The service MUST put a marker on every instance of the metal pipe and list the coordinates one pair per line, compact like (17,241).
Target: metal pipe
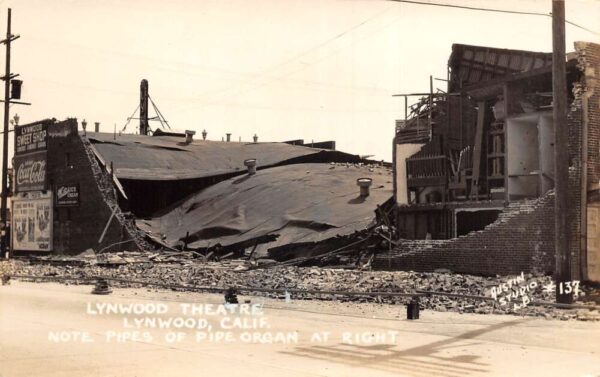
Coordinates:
(364,184)
(189,136)
(425,94)
(251,165)
(430,115)
(405,110)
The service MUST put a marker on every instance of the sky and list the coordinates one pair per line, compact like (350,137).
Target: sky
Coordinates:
(281,69)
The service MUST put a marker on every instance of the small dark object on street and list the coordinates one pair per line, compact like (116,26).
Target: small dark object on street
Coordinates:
(231,296)
(5,279)
(412,309)
(101,288)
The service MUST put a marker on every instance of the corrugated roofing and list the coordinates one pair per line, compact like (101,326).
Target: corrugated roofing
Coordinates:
(141,157)
(301,203)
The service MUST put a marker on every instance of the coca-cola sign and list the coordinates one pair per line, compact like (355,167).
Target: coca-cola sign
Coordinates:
(30,172)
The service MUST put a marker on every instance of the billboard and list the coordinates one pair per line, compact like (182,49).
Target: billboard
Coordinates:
(30,172)
(31,138)
(32,216)
(67,196)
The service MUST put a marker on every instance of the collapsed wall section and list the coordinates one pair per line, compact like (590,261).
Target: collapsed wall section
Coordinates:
(520,240)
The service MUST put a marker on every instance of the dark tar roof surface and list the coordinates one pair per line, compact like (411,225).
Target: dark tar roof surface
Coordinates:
(301,203)
(141,157)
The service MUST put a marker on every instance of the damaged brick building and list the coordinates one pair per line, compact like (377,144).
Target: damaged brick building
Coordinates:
(474,167)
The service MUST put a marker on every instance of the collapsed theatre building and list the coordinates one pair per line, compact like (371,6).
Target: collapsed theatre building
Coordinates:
(474,166)
(76,190)
(470,189)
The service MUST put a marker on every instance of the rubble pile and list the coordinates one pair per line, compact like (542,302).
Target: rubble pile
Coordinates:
(171,269)
(104,181)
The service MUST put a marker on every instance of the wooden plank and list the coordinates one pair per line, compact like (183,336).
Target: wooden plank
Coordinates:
(477,149)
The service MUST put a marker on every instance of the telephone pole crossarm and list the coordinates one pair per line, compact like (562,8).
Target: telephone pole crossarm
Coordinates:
(10,39)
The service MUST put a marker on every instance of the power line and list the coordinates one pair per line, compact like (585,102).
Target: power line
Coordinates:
(492,10)
(470,8)
(579,26)
(270,80)
(336,37)
(245,78)
(283,76)
(289,60)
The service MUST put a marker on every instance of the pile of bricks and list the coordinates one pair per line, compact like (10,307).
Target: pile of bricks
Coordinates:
(521,239)
(226,274)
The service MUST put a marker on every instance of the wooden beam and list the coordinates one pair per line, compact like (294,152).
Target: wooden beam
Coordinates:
(477,149)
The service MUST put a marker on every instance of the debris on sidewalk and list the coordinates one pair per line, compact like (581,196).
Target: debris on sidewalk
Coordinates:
(177,270)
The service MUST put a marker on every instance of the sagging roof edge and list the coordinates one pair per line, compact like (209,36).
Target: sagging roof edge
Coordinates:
(108,169)
(323,156)
(515,77)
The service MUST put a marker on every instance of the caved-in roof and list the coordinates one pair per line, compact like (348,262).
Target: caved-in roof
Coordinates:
(301,203)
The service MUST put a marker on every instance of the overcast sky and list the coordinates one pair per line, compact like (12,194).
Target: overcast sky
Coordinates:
(283,69)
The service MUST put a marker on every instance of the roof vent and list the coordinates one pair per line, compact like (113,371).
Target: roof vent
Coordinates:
(189,136)
(96,126)
(364,184)
(251,165)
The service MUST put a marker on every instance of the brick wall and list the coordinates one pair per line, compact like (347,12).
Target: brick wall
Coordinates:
(79,228)
(574,122)
(589,63)
(520,240)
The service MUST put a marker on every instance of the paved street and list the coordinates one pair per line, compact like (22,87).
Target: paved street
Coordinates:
(56,330)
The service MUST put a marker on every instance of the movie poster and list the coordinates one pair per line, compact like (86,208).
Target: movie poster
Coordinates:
(32,222)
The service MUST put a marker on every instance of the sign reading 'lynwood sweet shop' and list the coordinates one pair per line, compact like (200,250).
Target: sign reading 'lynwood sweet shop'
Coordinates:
(31,138)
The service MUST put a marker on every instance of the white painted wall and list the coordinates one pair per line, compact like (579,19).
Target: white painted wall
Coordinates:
(546,135)
(593,242)
(523,153)
(403,151)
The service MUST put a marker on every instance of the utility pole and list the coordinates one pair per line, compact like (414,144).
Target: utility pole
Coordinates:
(8,95)
(562,255)
(7,77)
